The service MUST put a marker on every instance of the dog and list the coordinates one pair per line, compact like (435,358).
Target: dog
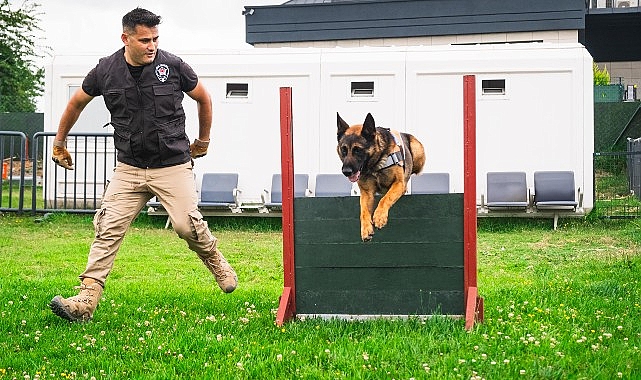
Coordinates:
(381,161)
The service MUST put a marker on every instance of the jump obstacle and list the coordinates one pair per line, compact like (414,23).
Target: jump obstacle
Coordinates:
(422,263)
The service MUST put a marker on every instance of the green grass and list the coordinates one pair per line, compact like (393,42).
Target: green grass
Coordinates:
(558,304)
(11,196)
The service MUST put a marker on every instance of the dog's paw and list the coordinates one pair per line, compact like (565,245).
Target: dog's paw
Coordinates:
(367,232)
(380,218)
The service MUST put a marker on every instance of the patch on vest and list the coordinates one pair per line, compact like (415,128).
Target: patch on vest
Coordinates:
(162,72)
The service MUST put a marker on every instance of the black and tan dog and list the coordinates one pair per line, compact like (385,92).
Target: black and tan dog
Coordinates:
(382,161)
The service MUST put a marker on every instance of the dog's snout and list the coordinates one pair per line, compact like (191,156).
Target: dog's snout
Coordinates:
(347,171)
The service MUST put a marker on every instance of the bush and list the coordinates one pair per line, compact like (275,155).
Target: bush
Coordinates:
(601,77)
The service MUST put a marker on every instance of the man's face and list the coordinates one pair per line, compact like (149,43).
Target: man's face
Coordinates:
(141,45)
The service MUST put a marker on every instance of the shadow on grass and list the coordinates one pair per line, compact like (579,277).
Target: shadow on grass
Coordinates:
(229,223)
(513,224)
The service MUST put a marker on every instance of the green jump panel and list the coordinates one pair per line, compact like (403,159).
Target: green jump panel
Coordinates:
(413,266)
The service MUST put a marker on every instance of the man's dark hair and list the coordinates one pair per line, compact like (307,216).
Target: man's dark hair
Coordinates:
(139,16)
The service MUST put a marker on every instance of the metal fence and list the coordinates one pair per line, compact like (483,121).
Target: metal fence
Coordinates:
(13,146)
(39,186)
(617,184)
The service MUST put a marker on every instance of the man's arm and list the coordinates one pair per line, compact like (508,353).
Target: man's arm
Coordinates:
(203,100)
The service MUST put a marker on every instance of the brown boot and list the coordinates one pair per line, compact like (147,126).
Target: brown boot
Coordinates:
(222,271)
(79,308)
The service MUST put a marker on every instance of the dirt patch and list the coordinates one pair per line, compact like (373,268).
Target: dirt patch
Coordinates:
(15,165)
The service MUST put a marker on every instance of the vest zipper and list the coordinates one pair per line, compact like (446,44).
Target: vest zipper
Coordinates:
(142,112)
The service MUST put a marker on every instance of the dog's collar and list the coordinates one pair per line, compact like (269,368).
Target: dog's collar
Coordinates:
(397,157)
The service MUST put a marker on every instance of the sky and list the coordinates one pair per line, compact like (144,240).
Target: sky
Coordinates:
(94,27)
(189,25)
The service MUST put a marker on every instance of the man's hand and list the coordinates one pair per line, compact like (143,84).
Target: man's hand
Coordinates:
(198,148)
(61,156)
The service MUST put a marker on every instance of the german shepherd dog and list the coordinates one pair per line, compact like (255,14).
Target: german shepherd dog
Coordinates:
(382,161)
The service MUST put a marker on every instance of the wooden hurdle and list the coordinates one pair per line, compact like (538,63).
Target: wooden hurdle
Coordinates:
(422,263)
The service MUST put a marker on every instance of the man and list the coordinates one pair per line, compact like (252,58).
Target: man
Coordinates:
(143,88)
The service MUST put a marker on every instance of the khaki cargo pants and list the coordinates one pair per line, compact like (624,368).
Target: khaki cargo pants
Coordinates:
(127,193)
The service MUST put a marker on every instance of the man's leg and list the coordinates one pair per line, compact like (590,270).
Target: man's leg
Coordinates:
(123,199)
(176,190)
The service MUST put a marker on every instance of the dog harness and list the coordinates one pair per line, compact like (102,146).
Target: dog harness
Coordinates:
(397,157)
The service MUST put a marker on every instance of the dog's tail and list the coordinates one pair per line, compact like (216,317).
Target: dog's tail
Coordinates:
(418,154)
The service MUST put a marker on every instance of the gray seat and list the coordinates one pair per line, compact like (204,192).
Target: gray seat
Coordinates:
(332,185)
(219,190)
(507,190)
(154,202)
(301,189)
(430,183)
(555,190)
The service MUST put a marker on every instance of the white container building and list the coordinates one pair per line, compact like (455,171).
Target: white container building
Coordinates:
(534,107)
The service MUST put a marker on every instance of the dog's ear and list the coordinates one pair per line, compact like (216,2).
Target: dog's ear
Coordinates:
(342,126)
(369,127)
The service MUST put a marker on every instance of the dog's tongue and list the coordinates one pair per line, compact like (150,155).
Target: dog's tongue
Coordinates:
(354,177)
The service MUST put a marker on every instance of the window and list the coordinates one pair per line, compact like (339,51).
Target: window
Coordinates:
(493,86)
(362,89)
(237,90)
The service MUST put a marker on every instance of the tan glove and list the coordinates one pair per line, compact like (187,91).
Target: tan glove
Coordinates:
(61,156)
(198,148)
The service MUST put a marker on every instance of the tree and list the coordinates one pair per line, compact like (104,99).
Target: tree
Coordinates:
(21,81)
(601,77)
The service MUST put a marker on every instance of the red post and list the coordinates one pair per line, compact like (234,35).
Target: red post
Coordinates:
(473,303)
(287,304)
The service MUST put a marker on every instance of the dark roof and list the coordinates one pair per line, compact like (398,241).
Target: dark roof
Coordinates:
(613,34)
(320,20)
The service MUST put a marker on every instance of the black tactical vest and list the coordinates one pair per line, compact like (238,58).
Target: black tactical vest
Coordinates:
(147,116)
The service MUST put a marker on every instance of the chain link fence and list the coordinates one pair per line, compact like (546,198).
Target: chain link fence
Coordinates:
(617,184)
(617,161)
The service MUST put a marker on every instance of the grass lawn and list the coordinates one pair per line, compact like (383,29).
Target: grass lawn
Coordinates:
(558,304)
(10,196)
